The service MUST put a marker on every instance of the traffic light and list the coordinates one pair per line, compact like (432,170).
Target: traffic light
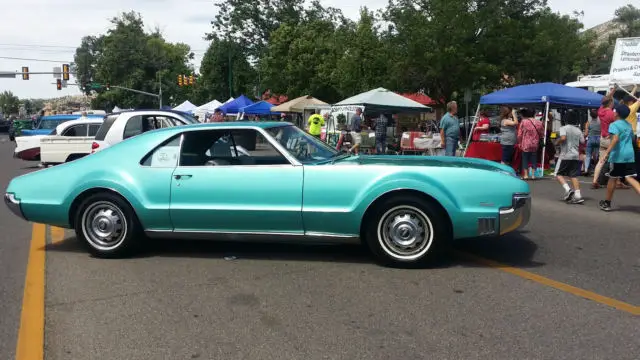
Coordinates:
(180,80)
(59,84)
(191,79)
(65,72)
(25,73)
(107,87)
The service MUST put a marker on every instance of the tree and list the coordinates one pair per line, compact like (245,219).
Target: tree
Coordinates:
(222,59)
(629,19)
(363,65)
(128,56)
(9,103)
(28,106)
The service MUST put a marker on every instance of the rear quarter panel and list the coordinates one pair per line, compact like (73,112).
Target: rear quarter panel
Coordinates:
(336,196)
(46,195)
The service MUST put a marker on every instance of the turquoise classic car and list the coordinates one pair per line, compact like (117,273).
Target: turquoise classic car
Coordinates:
(250,180)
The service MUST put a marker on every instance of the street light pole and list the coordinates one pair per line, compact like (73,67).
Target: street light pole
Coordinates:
(160,94)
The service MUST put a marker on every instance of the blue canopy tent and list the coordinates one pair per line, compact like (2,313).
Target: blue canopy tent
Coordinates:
(259,108)
(234,106)
(543,93)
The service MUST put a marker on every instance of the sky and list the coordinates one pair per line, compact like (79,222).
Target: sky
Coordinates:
(51,30)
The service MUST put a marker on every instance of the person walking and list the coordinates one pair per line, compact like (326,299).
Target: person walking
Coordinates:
(620,156)
(606,115)
(592,131)
(569,160)
(450,130)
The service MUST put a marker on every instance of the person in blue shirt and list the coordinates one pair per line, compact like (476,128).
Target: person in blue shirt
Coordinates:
(450,129)
(620,154)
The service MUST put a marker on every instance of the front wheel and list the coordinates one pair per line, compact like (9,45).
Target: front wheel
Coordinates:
(108,226)
(405,231)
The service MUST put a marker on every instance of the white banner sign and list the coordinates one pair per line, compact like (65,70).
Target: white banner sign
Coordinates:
(625,64)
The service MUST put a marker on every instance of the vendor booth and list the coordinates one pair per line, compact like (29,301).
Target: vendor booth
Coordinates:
(374,103)
(535,95)
(234,106)
(261,108)
(186,106)
(205,110)
(302,107)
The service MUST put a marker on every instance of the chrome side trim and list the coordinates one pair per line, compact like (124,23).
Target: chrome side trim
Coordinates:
(516,216)
(249,236)
(14,205)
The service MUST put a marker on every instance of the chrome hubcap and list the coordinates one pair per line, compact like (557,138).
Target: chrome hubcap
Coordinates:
(104,225)
(405,232)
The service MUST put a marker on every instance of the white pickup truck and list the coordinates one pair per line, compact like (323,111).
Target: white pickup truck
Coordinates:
(121,126)
(28,147)
(72,142)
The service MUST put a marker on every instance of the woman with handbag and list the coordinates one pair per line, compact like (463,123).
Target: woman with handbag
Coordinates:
(530,134)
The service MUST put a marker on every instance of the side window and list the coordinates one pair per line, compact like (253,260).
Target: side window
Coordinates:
(246,147)
(166,155)
(133,127)
(93,129)
(167,121)
(75,130)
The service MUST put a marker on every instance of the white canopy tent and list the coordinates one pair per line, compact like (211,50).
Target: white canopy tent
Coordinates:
(186,106)
(208,108)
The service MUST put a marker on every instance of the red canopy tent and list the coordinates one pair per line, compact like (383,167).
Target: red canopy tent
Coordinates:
(420,98)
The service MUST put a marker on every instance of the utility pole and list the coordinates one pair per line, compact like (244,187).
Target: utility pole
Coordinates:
(160,94)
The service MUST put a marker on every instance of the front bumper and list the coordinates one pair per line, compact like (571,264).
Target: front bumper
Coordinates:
(517,215)
(14,205)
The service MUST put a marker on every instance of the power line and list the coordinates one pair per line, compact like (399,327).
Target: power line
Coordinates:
(27,59)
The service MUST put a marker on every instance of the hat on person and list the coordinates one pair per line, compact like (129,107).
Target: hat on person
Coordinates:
(622,111)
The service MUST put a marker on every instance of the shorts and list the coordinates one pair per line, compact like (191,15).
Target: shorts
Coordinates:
(356,138)
(622,170)
(507,153)
(570,168)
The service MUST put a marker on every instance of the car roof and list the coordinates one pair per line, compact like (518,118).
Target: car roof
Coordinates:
(234,124)
(150,110)
(68,117)
(66,124)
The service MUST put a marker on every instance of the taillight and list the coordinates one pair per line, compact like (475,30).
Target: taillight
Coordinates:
(94,146)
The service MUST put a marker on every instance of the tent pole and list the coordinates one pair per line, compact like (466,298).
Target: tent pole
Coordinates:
(544,146)
(471,132)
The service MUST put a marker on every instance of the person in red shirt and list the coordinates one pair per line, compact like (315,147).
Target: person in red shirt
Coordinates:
(606,116)
(482,127)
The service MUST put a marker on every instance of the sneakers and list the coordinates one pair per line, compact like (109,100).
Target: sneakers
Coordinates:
(576,200)
(568,195)
(605,205)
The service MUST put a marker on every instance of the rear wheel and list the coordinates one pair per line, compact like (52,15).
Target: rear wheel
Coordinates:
(405,231)
(108,226)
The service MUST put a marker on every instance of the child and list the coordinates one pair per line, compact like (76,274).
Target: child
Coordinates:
(621,155)
(569,160)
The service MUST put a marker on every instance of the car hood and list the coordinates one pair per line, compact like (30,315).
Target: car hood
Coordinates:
(428,161)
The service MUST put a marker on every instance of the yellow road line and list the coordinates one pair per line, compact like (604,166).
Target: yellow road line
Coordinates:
(57,234)
(635,310)
(31,334)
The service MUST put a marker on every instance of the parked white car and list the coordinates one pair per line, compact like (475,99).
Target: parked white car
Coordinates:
(121,126)
(72,143)
(28,147)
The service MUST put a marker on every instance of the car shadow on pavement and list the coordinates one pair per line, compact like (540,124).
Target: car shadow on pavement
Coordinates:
(512,249)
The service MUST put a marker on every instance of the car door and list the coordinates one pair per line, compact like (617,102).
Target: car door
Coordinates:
(216,188)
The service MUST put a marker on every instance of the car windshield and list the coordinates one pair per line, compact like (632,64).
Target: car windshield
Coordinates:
(304,147)
(49,124)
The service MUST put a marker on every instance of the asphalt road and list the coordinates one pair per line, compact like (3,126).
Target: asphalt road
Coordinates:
(197,300)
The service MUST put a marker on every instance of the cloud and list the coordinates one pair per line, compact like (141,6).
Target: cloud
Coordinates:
(52,29)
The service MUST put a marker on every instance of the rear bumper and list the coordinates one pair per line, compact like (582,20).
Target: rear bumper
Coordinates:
(14,205)
(509,219)
(517,215)
(28,154)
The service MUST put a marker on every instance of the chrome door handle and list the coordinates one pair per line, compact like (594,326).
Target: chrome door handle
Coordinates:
(180,177)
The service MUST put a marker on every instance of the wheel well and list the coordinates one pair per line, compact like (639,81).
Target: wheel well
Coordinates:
(85,194)
(426,197)
(72,157)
